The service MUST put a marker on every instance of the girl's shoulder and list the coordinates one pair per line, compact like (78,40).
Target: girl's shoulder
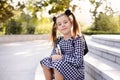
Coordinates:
(79,37)
(59,39)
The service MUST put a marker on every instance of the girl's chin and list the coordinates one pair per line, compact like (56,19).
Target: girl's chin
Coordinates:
(65,33)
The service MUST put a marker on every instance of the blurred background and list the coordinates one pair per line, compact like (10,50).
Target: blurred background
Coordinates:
(34,16)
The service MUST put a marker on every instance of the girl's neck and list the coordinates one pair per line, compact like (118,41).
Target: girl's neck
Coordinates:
(67,36)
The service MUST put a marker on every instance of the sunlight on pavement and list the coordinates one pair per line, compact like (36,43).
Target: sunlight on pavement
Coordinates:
(39,75)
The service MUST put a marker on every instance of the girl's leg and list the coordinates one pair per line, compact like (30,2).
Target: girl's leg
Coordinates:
(57,75)
(47,73)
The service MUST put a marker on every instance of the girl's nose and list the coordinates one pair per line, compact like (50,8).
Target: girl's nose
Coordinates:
(63,25)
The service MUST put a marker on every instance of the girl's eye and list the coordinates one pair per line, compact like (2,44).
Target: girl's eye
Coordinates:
(59,24)
(65,22)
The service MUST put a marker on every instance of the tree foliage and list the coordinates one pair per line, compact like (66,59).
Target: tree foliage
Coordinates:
(28,23)
(103,21)
(5,10)
(56,5)
(95,12)
(107,23)
(59,5)
(13,27)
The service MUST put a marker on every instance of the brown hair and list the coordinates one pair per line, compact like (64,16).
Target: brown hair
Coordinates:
(54,27)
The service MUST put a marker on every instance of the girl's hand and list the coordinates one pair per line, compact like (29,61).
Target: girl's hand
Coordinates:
(56,57)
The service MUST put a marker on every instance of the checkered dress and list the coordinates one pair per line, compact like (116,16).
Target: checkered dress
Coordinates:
(72,64)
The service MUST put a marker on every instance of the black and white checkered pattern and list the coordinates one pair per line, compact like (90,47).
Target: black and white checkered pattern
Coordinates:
(72,64)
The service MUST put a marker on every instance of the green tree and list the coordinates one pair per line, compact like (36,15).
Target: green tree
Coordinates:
(39,6)
(13,27)
(5,10)
(107,23)
(103,22)
(28,16)
(28,23)
(59,5)
(95,13)
(56,5)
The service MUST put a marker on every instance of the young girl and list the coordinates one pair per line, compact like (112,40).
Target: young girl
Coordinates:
(69,65)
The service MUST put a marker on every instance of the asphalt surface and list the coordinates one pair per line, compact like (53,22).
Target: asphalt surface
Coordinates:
(20,60)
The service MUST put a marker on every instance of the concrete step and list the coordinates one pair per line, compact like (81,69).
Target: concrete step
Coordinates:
(105,51)
(101,69)
(88,76)
(111,40)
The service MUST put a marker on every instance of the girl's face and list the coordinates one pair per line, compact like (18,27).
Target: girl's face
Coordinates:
(64,24)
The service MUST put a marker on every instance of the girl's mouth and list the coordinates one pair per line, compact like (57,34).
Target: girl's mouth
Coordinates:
(64,28)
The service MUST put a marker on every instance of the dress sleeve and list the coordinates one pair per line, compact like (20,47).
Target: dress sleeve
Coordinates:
(77,57)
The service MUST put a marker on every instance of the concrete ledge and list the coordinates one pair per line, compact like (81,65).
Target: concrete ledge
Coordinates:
(18,38)
(111,40)
(101,69)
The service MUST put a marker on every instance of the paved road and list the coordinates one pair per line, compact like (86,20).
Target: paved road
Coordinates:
(20,60)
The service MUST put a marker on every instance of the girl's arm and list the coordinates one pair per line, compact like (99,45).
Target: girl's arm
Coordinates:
(54,56)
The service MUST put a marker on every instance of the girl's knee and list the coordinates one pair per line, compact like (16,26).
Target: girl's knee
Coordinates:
(43,66)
